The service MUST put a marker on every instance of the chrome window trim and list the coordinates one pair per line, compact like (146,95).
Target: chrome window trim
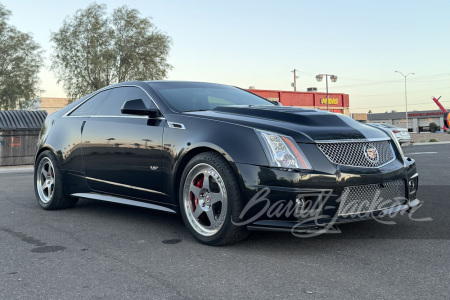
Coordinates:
(126,116)
(106,89)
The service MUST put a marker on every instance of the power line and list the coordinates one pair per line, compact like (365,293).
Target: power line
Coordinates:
(386,94)
(373,82)
(388,82)
(397,105)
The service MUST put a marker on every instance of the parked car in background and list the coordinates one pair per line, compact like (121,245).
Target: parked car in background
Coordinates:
(401,134)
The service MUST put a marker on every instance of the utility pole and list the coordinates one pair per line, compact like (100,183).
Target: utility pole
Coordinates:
(295,80)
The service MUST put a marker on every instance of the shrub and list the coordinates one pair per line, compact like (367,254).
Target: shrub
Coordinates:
(433,127)
(433,140)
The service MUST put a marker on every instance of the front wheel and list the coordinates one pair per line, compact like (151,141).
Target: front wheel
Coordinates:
(48,184)
(209,198)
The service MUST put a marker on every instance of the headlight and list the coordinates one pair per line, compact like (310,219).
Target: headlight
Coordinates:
(282,151)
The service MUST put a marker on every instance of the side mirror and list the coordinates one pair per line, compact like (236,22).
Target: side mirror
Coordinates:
(137,107)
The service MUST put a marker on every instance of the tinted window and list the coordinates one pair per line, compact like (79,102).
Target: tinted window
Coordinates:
(192,96)
(113,103)
(90,106)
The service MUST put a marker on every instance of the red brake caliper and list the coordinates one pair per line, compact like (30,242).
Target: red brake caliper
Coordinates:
(198,184)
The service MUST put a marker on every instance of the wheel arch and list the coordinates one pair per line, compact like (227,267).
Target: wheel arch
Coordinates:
(44,148)
(188,155)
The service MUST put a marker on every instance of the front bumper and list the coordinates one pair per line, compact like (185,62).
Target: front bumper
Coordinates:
(328,225)
(271,195)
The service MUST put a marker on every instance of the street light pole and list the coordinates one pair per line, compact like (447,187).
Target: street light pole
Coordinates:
(406,98)
(327,92)
(333,79)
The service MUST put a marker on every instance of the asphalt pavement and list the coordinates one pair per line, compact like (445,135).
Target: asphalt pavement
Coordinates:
(101,250)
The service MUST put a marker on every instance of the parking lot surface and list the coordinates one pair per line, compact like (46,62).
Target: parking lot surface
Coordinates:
(101,250)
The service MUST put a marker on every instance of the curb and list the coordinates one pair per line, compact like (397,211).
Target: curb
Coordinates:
(427,143)
(16,169)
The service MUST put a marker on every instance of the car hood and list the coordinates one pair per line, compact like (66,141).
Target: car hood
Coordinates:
(303,125)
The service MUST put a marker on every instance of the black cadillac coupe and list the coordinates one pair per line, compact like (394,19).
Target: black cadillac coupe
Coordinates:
(225,159)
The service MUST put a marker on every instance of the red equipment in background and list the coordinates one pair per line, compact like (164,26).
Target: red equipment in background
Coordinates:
(440,106)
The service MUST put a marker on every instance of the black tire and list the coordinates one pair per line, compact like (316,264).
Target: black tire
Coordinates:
(227,233)
(52,196)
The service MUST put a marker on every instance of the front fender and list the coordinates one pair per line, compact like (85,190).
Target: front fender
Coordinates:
(238,144)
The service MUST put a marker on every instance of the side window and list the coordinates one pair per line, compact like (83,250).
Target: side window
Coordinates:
(90,106)
(113,103)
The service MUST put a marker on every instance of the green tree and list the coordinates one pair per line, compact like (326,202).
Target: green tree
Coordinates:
(20,63)
(433,127)
(93,49)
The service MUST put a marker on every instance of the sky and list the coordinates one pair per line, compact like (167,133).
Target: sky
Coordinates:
(258,43)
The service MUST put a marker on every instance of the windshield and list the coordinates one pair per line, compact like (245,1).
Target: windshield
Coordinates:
(194,96)
(382,125)
(389,126)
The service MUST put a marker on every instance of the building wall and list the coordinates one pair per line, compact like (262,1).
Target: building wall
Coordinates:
(359,116)
(337,102)
(418,121)
(52,105)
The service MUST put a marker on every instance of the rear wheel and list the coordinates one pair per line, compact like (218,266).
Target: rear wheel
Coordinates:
(209,198)
(48,185)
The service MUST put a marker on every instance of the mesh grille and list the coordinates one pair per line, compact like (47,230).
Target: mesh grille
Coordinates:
(359,154)
(366,198)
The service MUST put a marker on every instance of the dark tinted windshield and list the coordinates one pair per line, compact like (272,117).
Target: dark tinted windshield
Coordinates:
(193,96)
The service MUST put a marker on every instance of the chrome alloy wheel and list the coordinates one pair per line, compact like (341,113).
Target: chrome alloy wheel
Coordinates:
(205,199)
(45,180)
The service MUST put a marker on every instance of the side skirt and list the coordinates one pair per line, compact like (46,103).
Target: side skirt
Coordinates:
(120,200)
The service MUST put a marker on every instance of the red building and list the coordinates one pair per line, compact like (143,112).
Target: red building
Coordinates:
(338,103)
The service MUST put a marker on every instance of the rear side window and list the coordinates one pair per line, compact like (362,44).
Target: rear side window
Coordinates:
(90,106)
(116,98)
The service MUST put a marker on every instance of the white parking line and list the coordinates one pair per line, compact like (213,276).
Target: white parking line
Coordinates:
(421,153)
(16,169)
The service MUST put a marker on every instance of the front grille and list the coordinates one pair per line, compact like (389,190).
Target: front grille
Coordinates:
(367,198)
(359,154)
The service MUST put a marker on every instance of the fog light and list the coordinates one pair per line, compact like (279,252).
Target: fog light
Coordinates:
(299,201)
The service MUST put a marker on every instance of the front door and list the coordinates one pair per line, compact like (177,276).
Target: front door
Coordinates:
(122,153)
